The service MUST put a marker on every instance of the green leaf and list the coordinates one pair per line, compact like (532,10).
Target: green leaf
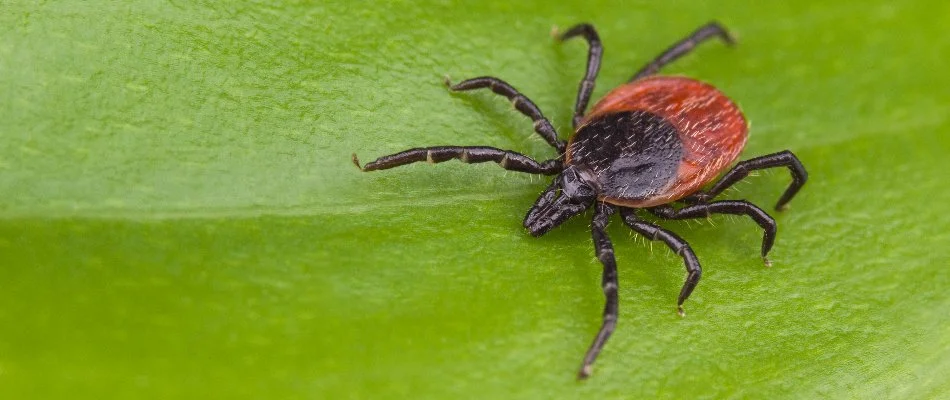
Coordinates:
(179,216)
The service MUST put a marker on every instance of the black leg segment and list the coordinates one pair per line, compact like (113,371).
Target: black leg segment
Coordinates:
(594,55)
(734,207)
(541,124)
(743,168)
(605,253)
(468,154)
(683,47)
(675,243)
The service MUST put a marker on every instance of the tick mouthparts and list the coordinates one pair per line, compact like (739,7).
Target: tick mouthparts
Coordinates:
(539,229)
(542,216)
(538,222)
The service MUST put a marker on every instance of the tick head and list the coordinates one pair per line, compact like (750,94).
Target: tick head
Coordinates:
(572,192)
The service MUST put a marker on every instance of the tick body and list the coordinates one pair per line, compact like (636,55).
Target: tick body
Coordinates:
(658,139)
(652,143)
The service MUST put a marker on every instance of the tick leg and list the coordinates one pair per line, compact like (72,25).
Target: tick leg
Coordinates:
(594,55)
(684,46)
(541,124)
(675,243)
(743,168)
(468,154)
(605,253)
(734,207)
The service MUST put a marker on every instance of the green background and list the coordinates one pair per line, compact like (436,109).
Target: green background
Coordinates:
(179,216)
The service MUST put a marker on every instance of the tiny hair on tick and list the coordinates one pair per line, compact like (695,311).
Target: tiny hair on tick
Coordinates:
(650,143)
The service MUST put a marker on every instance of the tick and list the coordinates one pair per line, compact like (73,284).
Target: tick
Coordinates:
(650,143)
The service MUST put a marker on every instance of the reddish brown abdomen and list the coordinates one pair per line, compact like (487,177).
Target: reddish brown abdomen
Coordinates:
(711,127)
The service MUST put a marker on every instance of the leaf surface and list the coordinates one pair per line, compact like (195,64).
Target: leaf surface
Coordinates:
(179,216)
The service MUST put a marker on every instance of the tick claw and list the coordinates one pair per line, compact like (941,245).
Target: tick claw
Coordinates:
(555,33)
(356,162)
(730,39)
(447,81)
(585,372)
(679,310)
(767,262)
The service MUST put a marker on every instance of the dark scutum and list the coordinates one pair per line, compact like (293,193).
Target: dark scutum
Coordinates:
(634,154)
